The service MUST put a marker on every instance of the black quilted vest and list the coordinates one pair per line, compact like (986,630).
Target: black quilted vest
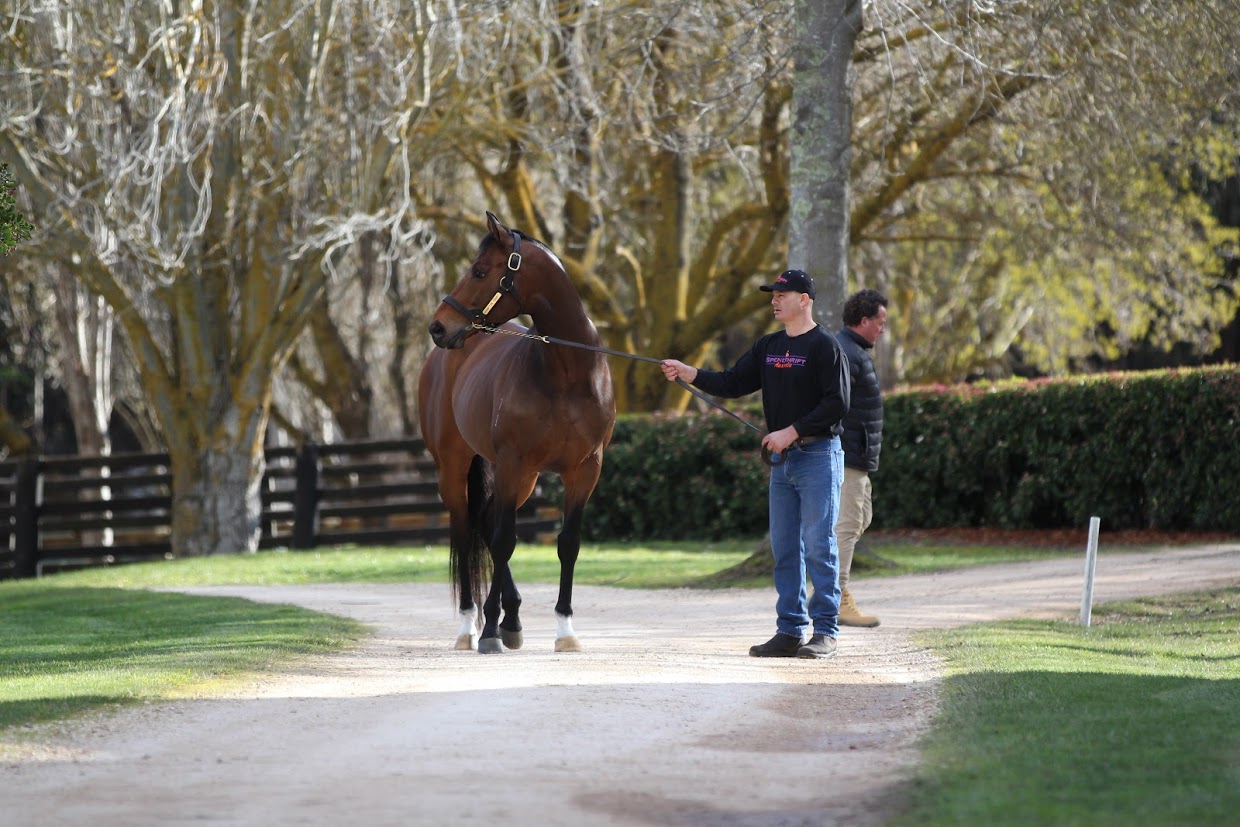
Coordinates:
(863,425)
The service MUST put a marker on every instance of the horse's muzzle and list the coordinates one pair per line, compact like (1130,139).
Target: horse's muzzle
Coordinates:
(439,335)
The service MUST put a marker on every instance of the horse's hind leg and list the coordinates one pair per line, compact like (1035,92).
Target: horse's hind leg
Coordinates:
(467,637)
(468,554)
(460,537)
(511,490)
(503,593)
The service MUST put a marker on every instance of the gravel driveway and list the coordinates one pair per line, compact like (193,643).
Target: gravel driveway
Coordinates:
(664,719)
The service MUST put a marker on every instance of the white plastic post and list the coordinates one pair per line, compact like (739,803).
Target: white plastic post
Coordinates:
(1091,560)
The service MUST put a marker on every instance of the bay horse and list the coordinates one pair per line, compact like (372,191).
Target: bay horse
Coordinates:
(496,410)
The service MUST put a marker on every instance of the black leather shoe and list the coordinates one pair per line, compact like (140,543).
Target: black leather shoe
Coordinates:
(819,646)
(780,646)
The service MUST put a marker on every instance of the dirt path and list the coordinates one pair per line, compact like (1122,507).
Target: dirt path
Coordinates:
(663,720)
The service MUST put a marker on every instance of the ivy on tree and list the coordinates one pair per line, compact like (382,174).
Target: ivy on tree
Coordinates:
(14,228)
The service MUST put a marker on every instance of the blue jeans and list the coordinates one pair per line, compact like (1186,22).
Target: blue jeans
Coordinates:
(804,505)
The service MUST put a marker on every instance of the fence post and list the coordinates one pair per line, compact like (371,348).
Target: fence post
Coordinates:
(26,519)
(306,496)
(1091,563)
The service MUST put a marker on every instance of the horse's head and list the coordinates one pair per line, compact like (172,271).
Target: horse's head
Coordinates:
(488,293)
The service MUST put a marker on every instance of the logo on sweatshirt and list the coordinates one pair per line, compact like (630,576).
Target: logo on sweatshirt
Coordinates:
(785,361)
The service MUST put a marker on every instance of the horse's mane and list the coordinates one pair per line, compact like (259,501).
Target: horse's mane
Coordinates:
(489,240)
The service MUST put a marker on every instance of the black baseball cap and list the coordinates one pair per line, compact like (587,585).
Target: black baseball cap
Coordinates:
(792,281)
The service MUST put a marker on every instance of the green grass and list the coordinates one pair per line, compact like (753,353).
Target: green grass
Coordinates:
(631,565)
(67,649)
(924,559)
(1135,720)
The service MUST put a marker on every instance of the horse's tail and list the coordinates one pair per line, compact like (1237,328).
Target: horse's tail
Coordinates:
(474,558)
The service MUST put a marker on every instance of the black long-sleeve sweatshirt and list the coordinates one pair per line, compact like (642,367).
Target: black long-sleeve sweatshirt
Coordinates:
(804,381)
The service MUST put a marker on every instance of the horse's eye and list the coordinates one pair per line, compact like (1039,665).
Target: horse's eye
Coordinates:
(479,274)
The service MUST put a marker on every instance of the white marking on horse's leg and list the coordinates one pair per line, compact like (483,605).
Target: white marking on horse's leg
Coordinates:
(467,638)
(565,640)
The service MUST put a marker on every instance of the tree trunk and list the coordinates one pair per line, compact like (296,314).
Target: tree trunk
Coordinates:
(757,566)
(404,324)
(216,506)
(84,324)
(826,31)
(344,386)
(214,421)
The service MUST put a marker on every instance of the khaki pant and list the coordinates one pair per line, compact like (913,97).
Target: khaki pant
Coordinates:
(855,514)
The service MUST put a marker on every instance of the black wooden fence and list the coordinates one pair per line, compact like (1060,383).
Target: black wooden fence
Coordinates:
(70,512)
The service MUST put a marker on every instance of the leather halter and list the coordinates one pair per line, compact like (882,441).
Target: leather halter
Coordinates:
(507,284)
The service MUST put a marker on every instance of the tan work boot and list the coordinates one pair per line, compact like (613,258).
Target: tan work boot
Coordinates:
(850,615)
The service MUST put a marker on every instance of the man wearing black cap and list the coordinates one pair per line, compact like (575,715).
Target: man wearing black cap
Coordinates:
(805,387)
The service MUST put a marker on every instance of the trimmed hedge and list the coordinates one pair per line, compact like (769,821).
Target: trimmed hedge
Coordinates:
(679,477)
(1158,450)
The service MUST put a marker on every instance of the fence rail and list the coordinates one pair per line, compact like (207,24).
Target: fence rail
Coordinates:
(70,512)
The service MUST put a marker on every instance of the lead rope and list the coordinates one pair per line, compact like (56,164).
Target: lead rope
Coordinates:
(770,458)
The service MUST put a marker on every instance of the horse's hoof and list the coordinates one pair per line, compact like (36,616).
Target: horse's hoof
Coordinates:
(490,646)
(466,642)
(512,640)
(567,644)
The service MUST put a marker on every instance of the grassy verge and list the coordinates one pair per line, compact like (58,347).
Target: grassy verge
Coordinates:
(922,559)
(69,649)
(1135,720)
(631,565)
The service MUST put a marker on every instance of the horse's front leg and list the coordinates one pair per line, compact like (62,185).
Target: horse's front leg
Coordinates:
(568,546)
(578,486)
(503,592)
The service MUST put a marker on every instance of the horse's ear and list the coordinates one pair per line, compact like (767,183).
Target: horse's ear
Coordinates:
(497,229)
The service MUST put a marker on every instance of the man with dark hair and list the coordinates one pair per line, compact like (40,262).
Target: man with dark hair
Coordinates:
(865,319)
(804,381)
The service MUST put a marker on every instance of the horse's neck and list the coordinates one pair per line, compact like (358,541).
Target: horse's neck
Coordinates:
(565,318)
(562,316)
